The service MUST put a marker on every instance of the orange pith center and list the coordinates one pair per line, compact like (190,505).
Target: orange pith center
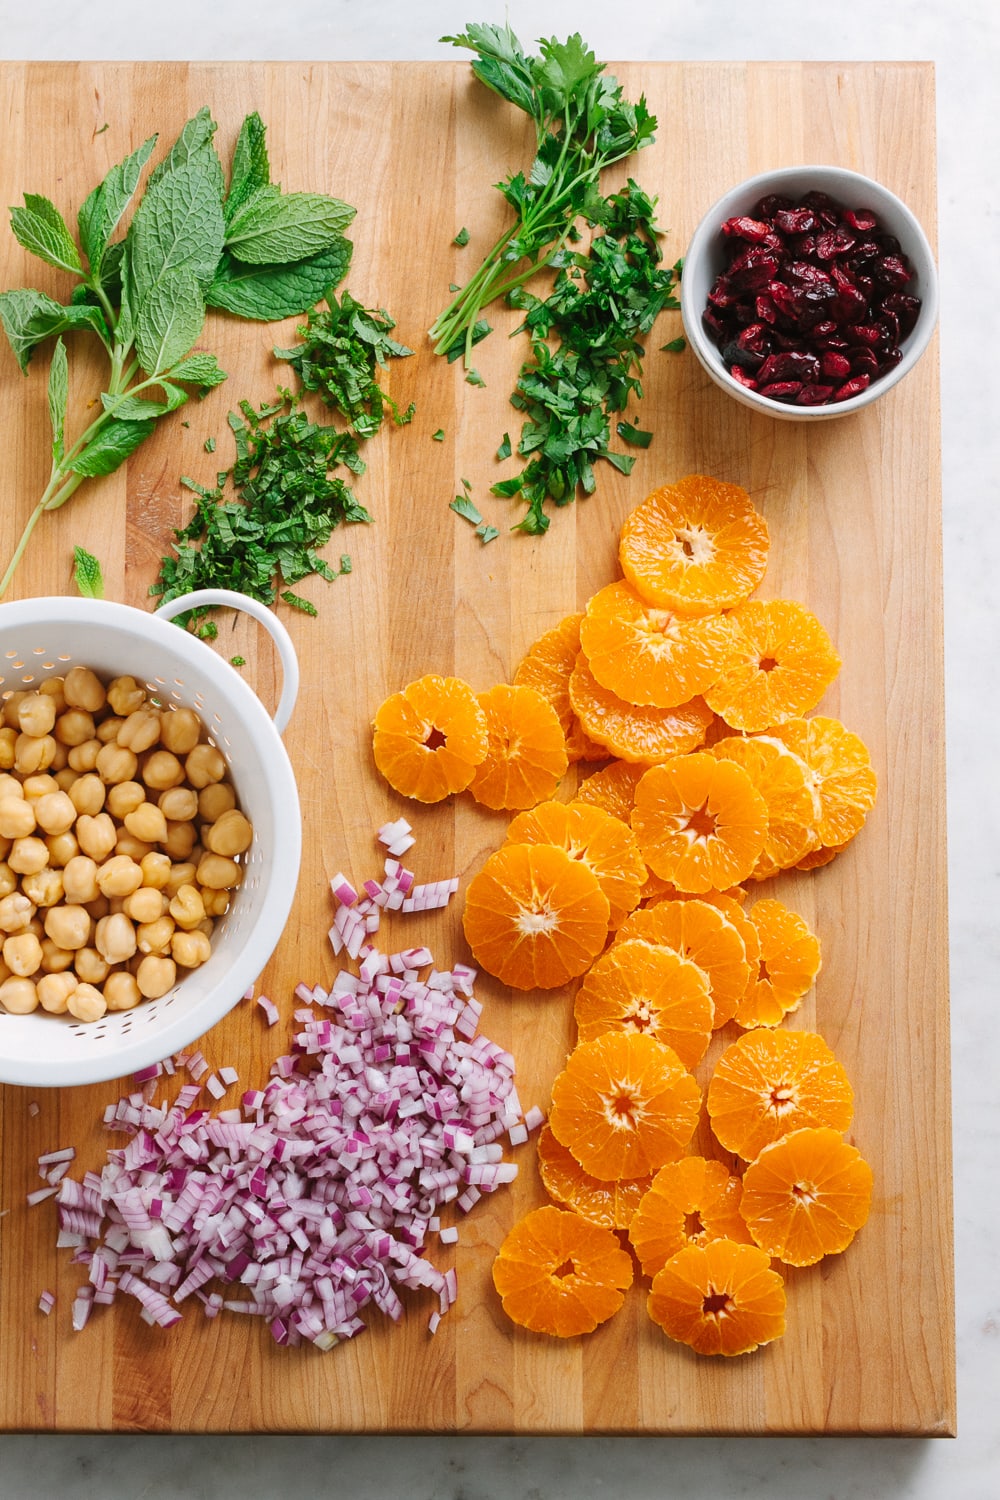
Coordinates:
(693,1227)
(767,664)
(622,1109)
(435,739)
(640,1013)
(804,1193)
(716,1304)
(701,823)
(694,544)
(781,1099)
(533,922)
(566,1269)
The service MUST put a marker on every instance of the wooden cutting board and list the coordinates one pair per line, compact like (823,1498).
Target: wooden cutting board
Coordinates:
(854,512)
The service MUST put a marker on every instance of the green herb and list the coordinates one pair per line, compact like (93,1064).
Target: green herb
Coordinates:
(582,124)
(101,129)
(238,661)
(461,238)
(505,449)
(486,533)
(473,377)
(87,574)
(463,506)
(675,346)
(586,358)
(210,445)
(342,350)
(460,346)
(345,563)
(192,243)
(438,437)
(259,530)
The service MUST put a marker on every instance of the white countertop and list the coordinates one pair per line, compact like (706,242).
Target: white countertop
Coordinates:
(962,38)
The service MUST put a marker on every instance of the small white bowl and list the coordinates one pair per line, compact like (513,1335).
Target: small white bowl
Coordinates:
(706,258)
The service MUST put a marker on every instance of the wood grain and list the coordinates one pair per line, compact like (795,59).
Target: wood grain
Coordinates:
(854,511)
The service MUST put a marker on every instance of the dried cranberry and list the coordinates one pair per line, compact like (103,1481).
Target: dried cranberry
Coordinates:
(742,378)
(814,395)
(892,271)
(789,366)
(834,242)
(795,220)
(852,387)
(781,389)
(861,219)
(836,366)
(906,309)
(745,228)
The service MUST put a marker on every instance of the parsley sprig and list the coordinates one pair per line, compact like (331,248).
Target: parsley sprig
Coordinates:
(583,124)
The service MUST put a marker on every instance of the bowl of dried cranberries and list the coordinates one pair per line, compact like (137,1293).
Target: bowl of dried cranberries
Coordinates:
(808,292)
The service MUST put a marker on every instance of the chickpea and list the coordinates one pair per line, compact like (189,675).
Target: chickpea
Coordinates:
(55,813)
(154,937)
(180,730)
(36,714)
(80,879)
(22,953)
(68,926)
(180,841)
(65,776)
(119,876)
(4,971)
(54,688)
(145,904)
(161,769)
(125,695)
(54,990)
(33,752)
(178,804)
(56,960)
(187,908)
(11,704)
(83,688)
(204,765)
(73,727)
(116,763)
(216,902)
(107,730)
(16,911)
(10,785)
(154,976)
(214,800)
(28,855)
(155,869)
(190,949)
(136,849)
(8,739)
(62,848)
(86,1003)
(91,966)
(18,995)
(17,817)
(83,757)
(60,759)
(147,822)
(121,991)
(218,873)
(96,835)
(98,908)
(8,879)
(182,873)
(37,785)
(43,887)
(125,798)
(141,730)
(115,938)
(231,834)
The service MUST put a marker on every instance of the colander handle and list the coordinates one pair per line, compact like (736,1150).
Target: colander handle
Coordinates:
(230,599)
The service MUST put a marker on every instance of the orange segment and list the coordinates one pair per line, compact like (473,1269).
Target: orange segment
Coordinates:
(705,934)
(699,821)
(632,733)
(806,1196)
(784,782)
(771,1082)
(649,655)
(690,1202)
(609,1203)
(526,754)
(558,1273)
(535,917)
(781,663)
(719,1298)
(841,772)
(696,546)
(546,667)
(613,788)
(788,963)
(624,1105)
(640,988)
(599,841)
(430,737)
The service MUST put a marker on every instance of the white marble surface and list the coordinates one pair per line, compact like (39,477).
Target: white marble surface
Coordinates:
(962,38)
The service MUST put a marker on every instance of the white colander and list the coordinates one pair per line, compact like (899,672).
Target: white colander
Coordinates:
(42,638)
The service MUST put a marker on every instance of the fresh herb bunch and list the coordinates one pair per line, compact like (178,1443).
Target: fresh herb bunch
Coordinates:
(586,357)
(582,123)
(260,528)
(341,350)
(193,243)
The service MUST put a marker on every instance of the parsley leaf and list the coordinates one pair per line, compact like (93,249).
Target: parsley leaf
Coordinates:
(342,349)
(463,506)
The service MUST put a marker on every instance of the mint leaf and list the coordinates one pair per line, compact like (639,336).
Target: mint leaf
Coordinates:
(462,238)
(199,369)
(268,293)
(169,320)
(99,217)
(193,146)
(139,408)
(87,574)
(58,391)
(272,226)
(178,223)
(297,602)
(40,228)
(438,437)
(251,169)
(111,446)
(29,317)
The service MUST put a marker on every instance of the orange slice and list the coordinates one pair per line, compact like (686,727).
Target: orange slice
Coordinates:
(630,732)
(534,916)
(624,1105)
(788,962)
(771,1082)
(546,667)
(558,1273)
(648,655)
(641,988)
(609,1203)
(841,772)
(785,783)
(780,664)
(696,546)
(599,841)
(719,1298)
(806,1196)
(430,737)
(699,821)
(689,1202)
(705,934)
(526,754)
(613,788)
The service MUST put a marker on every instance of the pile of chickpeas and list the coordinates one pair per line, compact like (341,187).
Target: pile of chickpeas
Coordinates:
(120,838)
